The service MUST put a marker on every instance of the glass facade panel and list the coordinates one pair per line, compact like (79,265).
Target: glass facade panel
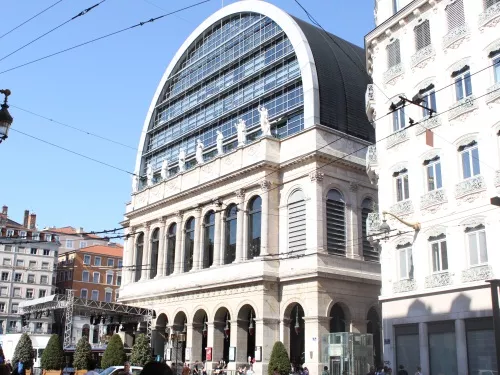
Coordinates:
(408,350)
(481,352)
(442,353)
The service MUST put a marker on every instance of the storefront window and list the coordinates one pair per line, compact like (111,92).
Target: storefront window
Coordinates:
(442,348)
(407,346)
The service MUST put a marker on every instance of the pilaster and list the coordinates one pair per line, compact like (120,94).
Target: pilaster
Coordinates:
(162,250)
(197,249)
(315,327)
(461,343)
(178,243)
(146,258)
(265,186)
(266,334)
(217,235)
(315,214)
(240,195)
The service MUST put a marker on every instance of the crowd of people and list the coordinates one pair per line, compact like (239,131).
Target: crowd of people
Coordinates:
(384,370)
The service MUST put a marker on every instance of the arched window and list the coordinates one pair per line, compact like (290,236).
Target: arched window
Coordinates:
(139,249)
(335,223)
(189,245)
(369,253)
(296,222)
(155,242)
(171,240)
(209,237)
(254,227)
(231,220)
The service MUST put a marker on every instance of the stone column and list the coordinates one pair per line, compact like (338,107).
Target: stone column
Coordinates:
(217,236)
(358,326)
(239,341)
(202,243)
(423,338)
(197,250)
(244,243)
(285,333)
(196,347)
(461,343)
(266,334)
(218,341)
(354,242)
(189,340)
(240,194)
(146,256)
(178,244)
(211,334)
(315,327)
(264,229)
(162,250)
(315,223)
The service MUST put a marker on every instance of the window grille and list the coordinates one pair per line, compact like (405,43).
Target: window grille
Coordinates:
(297,222)
(422,35)
(335,223)
(393,54)
(455,15)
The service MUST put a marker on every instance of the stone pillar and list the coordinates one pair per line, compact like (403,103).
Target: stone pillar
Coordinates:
(131,256)
(285,333)
(461,343)
(189,341)
(217,236)
(197,250)
(240,194)
(423,338)
(223,237)
(238,340)
(146,254)
(211,334)
(265,186)
(358,326)
(202,242)
(244,243)
(315,327)
(178,244)
(315,224)
(354,248)
(162,250)
(196,346)
(218,341)
(266,334)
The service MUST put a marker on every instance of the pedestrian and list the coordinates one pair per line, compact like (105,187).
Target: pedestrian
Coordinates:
(195,368)
(372,371)
(402,370)
(9,365)
(125,370)
(419,370)
(306,371)
(325,371)
(156,368)
(185,369)
(250,370)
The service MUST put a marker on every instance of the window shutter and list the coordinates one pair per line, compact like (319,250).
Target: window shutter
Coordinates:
(393,54)
(422,35)
(297,226)
(335,226)
(455,15)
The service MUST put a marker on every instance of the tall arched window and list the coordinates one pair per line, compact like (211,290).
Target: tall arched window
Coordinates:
(209,237)
(296,222)
(155,242)
(139,249)
(369,253)
(189,245)
(254,227)
(231,220)
(335,222)
(171,240)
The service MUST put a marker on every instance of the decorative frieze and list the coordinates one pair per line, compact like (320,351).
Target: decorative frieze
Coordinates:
(316,176)
(353,186)
(490,17)
(433,198)
(421,57)
(427,123)
(402,208)
(392,73)
(462,107)
(438,279)
(493,92)
(470,186)
(398,137)
(265,185)
(477,273)
(403,286)
(240,194)
(455,37)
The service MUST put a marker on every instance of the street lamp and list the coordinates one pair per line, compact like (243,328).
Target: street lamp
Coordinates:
(385,228)
(5,117)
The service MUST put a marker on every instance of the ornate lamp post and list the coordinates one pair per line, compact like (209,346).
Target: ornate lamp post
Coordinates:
(5,117)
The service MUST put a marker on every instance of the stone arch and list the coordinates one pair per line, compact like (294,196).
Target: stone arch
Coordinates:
(222,333)
(180,318)
(340,317)
(431,154)
(292,189)
(200,334)
(373,326)
(340,189)
(294,332)
(159,335)
(425,83)
(250,303)
(246,332)
(466,139)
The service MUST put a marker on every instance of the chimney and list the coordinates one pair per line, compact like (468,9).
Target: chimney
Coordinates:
(32,221)
(26,218)
(5,210)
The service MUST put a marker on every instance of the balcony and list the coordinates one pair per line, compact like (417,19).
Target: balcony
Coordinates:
(462,107)
(455,37)
(372,164)
(427,123)
(490,17)
(421,57)
(433,198)
(392,73)
(470,186)
(438,279)
(402,208)
(493,92)
(397,138)
(403,286)
(477,273)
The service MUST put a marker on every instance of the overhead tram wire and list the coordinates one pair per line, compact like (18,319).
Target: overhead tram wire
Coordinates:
(31,18)
(106,36)
(82,13)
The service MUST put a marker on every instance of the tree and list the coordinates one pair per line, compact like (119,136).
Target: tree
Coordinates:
(24,351)
(53,355)
(83,354)
(279,360)
(114,355)
(141,351)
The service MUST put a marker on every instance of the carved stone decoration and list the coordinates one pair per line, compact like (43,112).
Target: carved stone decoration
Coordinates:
(427,123)
(403,286)
(432,198)
(241,128)
(316,176)
(460,109)
(199,152)
(490,17)
(265,125)
(220,142)
(141,199)
(497,179)
(438,279)
(370,102)
(470,186)
(373,222)
(372,164)
(253,150)
(392,74)
(228,160)
(422,57)
(493,94)
(477,274)
(149,175)
(265,185)
(207,168)
(135,183)
(455,37)
(178,215)
(402,208)
(240,194)
(156,194)
(353,186)
(171,185)
(398,137)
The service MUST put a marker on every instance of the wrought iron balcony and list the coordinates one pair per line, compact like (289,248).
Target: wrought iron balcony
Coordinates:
(470,186)
(477,273)
(438,279)
(455,37)
(433,198)
(402,208)
(493,92)
(462,107)
(393,72)
(403,286)
(398,137)
(490,17)
(422,55)
(427,123)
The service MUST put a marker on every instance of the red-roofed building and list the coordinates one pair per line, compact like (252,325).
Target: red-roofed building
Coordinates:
(76,238)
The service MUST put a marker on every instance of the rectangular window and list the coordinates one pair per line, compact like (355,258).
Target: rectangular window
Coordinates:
(83,293)
(46,252)
(44,279)
(496,69)
(3,291)
(402,185)
(429,101)
(7,248)
(69,244)
(108,296)
(96,277)
(17,277)
(19,263)
(14,308)
(407,346)
(422,35)
(398,120)
(405,264)
(481,352)
(32,264)
(22,234)
(5,276)
(7,262)
(10,232)
(455,15)
(42,293)
(33,251)
(393,54)
(109,279)
(478,253)
(48,238)
(95,295)
(35,236)
(118,280)
(17,292)
(439,254)
(2,307)
(86,259)
(97,261)
(442,348)
(12,324)
(29,293)
(31,279)
(463,86)
(111,262)
(470,160)
(85,276)
(83,244)
(433,173)
(120,263)
(45,266)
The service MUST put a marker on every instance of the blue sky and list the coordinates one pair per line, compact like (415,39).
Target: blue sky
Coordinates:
(105,88)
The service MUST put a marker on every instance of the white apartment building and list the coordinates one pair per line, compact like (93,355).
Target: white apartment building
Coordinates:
(72,238)
(28,258)
(436,304)
(255,238)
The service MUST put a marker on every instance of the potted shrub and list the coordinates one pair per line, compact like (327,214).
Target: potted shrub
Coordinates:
(114,355)
(83,356)
(24,352)
(141,351)
(53,357)
(279,360)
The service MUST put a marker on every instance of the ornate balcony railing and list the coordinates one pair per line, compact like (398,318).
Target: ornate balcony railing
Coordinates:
(403,286)
(497,178)
(402,208)
(422,55)
(455,36)
(428,123)
(438,279)
(490,14)
(462,106)
(373,222)
(493,92)
(433,198)
(477,273)
(393,72)
(470,186)
(398,137)
(370,101)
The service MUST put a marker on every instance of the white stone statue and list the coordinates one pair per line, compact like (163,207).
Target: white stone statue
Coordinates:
(149,175)
(135,183)
(220,139)
(265,125)
(182,160)
(199,152)
(241,127)
(164,169)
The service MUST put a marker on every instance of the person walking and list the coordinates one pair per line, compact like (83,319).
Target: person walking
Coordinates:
(325,371)
(402,370)
(419,370)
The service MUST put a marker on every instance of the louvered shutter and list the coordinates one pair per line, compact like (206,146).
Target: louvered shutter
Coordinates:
(455,15)
(335,224)
(422,35)
(297,223)
(393,54)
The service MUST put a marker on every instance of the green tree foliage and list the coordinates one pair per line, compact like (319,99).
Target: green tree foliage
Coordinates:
(279,360)
(141,351)
(83,354)
(24,351)
(53,355)
(114,355)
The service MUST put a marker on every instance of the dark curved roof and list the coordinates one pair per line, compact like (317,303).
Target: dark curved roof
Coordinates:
(342,80)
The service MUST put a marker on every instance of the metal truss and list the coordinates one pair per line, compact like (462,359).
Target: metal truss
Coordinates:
(68,321)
